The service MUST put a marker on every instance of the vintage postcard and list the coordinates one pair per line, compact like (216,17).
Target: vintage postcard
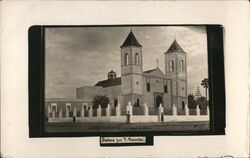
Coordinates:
(126,78)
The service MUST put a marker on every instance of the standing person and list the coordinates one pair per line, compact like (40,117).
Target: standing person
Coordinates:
(162,117)
(128,117)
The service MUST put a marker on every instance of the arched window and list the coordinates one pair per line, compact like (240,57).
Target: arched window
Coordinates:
(171,65)
(148,84)
(136,59)
(182,65)
(165,86)
(126,59)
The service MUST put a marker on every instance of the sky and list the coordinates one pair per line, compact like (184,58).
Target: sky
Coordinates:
(82,56)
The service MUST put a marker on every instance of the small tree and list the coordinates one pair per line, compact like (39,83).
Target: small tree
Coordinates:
(205,84)
(101,100)
(191,101)
(202,102)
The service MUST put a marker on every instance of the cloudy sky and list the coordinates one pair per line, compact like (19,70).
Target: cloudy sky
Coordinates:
(82,56)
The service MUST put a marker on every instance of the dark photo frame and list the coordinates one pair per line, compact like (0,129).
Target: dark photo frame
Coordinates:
(36,45)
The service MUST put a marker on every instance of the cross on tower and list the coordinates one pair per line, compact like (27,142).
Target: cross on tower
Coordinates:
(157,62)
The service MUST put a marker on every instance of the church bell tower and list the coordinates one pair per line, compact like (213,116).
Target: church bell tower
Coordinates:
(131,71)
(176,70)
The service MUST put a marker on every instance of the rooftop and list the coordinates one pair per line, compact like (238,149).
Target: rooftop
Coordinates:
(148,71)
(175,47)
(109,82)
(131,41)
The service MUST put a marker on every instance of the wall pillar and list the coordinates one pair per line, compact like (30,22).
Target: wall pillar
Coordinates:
(60,113)
(67,112)
(108,110)
(118,110)
(49,111)
(90,111)
(174,110)
(74,112)
(207,110)
(99,111)
(129,109)
(186,110)
(82,113)
(197,110)
(145,109)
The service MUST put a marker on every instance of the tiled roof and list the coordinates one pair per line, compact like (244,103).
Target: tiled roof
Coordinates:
(109,82)
(131,41)
(175,47)
(154,72)
(148,71)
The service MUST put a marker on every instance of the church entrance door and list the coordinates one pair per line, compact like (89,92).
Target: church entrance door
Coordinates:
(158,100)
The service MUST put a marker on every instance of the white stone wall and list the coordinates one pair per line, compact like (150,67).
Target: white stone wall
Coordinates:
(129,117)
(133,119)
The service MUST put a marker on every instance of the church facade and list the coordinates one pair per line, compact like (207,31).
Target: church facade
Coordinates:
(153,87)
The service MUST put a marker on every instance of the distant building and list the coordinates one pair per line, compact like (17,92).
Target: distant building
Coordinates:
(66,104)
(197,94)
(137,86)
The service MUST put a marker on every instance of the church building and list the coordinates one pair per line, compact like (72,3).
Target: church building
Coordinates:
(153,87)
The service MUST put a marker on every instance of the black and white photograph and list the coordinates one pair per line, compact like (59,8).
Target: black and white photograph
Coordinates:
(126,78)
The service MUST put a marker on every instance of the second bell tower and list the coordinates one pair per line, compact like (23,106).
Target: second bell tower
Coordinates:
(176,70)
